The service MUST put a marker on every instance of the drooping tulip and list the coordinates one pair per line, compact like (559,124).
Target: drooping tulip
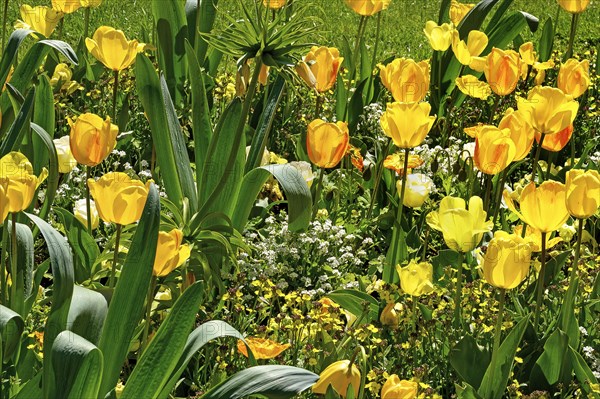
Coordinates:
(111,47)
(16,172)
(574,6)
(66,6)
(502,70)
(548,110)
(418,187)
(274,4)
(261,348)
(326,143)
(507,260)
(521,133)
(319,68)
(390,315)
(394,388)
(92,139)
(80,212)
(368,7)
(66,160)
(41,19)
(340,375)
(416,279)
(407,80)
(439,36)
(170,252)
(473,87)
(476,42)
(494,150)
(574,77)
(583,193)
(407,123)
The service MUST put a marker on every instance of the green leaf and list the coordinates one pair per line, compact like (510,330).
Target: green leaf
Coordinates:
(567,321)
(31,389)
(20,125)
(10,52)
(470,360)
(546,43)
(11,329)
(46,141)
(554,364)
(274,382)
(127,303)
(22,278)
(357,303)
(583,373)
(165,349)
(44,117)
(87,314)
(509,28)
(77,367)
(200,23)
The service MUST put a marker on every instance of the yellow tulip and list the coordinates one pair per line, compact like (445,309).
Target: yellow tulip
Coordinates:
(274,4)
(555,142)
(521,133)
(462,229)
(326,143)
(62,75)
(41,19)
(119,199)
(416,279)
(527,53)
(90,3)
(494,150)
(390,315)
(583,193)
(418,187)
(543,208)
(502,70)
(111,47)
(3,199)
(170,252)
(394,388)
(66,160)
(507,260)
(473,87)
(19,181)
(534,238)
(261,348)
(574,77)
(407,123)
(80,212)
(319,68)
(476,42)
(92,139)
(574,6)
(548,110)
(458,11)
(439,36)
(66,6)
(340,375)
(407,80)
(368,7)
(395,162)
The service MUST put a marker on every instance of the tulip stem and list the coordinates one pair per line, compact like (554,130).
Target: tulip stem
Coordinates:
(403,189)
(88,206)
(499,190)
(537,157)
(458,291)
(86,22)
(318,105)
(3,286)
(569,53)
(318,194)
(115,90)
(13,264)
(498,331)
(379,167)
(375,49)
(361,30)
(149,300)
(111,281)
(4,26)
(540,283)
(488,192)
(577,250)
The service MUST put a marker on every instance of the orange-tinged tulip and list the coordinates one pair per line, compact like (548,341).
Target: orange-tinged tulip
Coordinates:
(507,260)
(473,87)
(548,110)
(20,184)
(394,388)
(416,279)
(274,4)
(326,143)
(368,7)
(439,36)
(395,162)
(458,11)
(41,19)
(583,193)
(111,47)
(502,70)
(462,229)
(527,53)
(407,123)
(574,77)
(261,348)
(170,252)
(574,6)
(407,80)
(476,42)
(555,142)
(494,150)
(119,199)
(92,139)
(542,207)
(390,315)
(66,6)
(521,133)
(319,68)
(340,375)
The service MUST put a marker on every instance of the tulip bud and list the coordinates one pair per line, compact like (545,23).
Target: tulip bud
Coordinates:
(92,139)
(319,68)
(326,143)
(439,36)
(555,142)
(502,70)
(305,170)
(583,193)
(340,375)
(574,6)
(521,132)
(407,123)
(416,279)
(80,212)
(407,80)
(574,77)
(170,252)
(418,187)
(494,150)
(507,260)
(18,181)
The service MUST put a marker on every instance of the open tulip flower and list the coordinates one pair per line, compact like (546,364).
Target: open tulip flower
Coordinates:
(574,6)
(521,132)
(407,123)
(261,348)
(394,388)
(507,260)
(574,77)
(41,19)
(583,193)
(92,139)
(319,68)
(476,42)
(439,36)
(494,150)
(111,47)
(326,143)
(407,80)
(548,110)
(170,252)
(340,375)
(416,279)
(368,7)
(502,70)
(18,181)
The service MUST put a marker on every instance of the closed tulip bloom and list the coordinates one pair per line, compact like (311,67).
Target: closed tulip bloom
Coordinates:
(20,184)
(274,4)
(390,315)
(170,252)
(326,143)
(583,193)
(92,139)
(394,388)
(111,47)
(574,77)
(556,142)
(340,375)
(368,7)
(261,348)
(494,150)
(66,160)
(462,229)
(476,42)
(507,260)
(473,87)
(543,208)
(90,3)
(319,68)
(548,110)
(41,19)
(502,70)
(521,133)
(119,199)
(574,6)
(407,123)
(305,170)
(439,36)
(3,199)
(407,80)
(66,6)
(416,279)
(527,53)
(418,187)
(80,212)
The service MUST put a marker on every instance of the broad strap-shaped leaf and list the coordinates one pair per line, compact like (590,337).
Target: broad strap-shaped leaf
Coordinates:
(22,277)
(127,303)
(294,186)
(567,320)
(200,22)
(358,303)
(87,314)
(10,52)
(165,349)
(554,363)
(77,367)
(469,360)
(274,382)
(11,329)
(583,373)
(31,389)
(45,141)
(44,117)
(546,43)
(16,132)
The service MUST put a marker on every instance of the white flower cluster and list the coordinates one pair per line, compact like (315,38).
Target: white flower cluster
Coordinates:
(593,357)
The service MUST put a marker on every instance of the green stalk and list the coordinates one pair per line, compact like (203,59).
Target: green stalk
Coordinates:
(569,53)
(498,331)
(379,167)
(540,284)
(537,157)
(115,90)
(3,285)
(111,281)
(318,194)
(499,190)
(149,300)
(361,28)
(488,191)
(318,105)
(88,206)
(458,292)
(577,250)
(403,190)
(13,262)
(4,24)
(86,22)
(375,49)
